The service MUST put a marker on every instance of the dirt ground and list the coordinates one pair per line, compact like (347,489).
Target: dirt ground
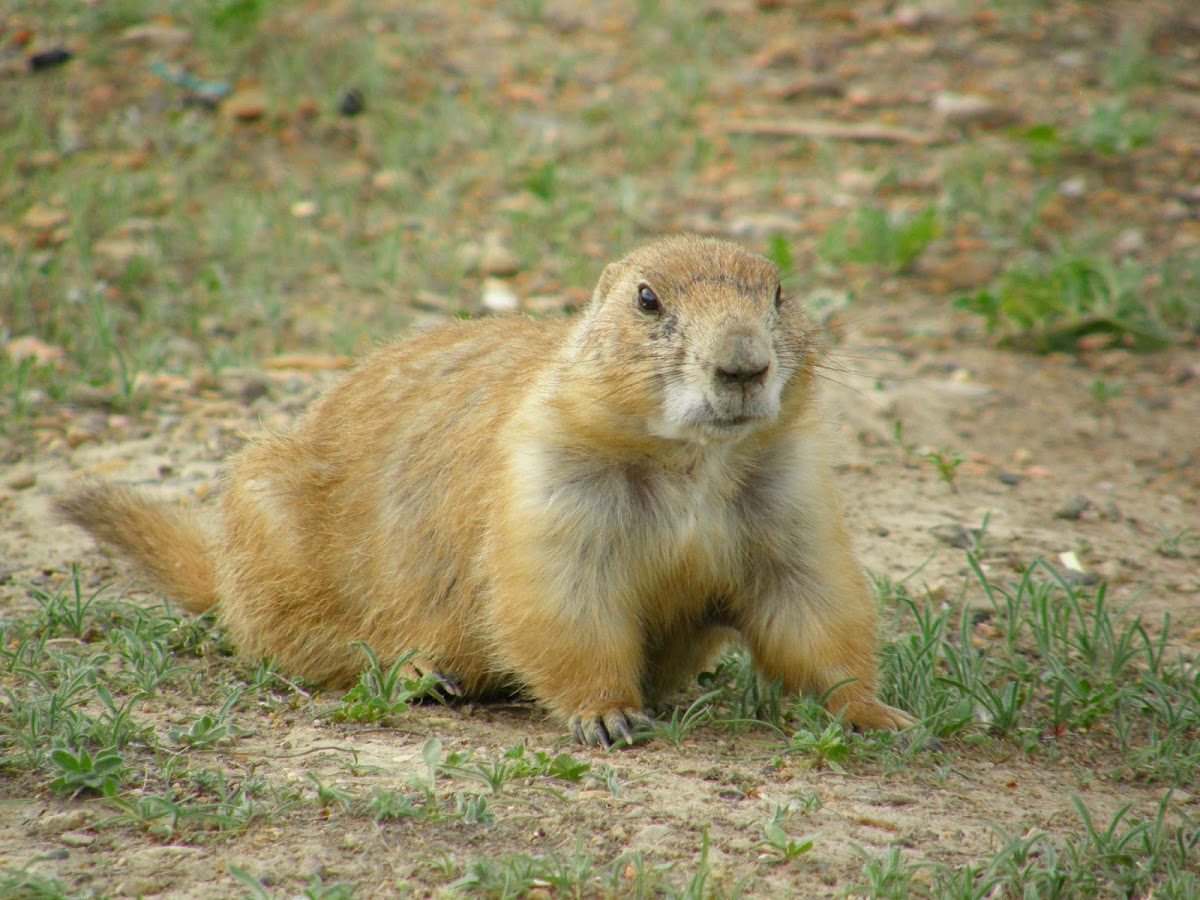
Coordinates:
(1093,484)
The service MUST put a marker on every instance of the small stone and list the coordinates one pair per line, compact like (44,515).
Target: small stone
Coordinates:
(351,103)
(304,209)
(247,105)
(499,298)
(1129,242)
(141,886)
(964,110)
(77,838)
(1009,478)
(1073,508)
(44,218)
(57,823)
(122,251)
(22,479)
(1074,187)
(156,33)
(49,59)
(77,436)
(386,180)
(954,535)
(254,387)
(30,347)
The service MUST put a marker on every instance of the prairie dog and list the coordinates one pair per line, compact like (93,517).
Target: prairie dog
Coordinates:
(583,508)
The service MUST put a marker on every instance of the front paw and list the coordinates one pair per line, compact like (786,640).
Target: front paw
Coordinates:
(604,728)
(872,715)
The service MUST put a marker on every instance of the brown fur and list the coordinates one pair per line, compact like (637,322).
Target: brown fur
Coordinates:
(583,508)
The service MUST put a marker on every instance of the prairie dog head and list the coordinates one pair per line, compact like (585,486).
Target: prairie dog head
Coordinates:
(705,344)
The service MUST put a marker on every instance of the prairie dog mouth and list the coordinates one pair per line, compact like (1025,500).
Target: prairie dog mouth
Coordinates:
(731,422)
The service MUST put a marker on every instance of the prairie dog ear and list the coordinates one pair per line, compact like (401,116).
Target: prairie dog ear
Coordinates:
(607,279)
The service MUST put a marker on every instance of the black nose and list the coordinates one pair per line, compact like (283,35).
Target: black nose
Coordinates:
(742,374)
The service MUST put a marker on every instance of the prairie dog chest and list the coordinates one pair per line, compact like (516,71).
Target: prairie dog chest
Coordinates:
(642,518)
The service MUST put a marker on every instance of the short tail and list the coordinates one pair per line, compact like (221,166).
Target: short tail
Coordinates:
(167,543)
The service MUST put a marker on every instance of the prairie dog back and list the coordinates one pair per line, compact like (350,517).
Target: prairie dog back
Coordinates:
(584,509)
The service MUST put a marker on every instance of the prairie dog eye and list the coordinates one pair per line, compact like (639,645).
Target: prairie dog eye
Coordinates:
(778,296)
(647,300)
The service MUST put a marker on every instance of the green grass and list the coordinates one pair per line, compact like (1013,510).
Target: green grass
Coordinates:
(875,236)
(182,250)
(1048,303)
(1066,674)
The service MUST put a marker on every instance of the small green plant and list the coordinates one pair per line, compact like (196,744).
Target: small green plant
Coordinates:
(1048,304)
(741,697)
(386,805)
(1113,129)
(381,692)
(886,875)
(777,840)
(825,750)
(472,808)
(329,796)
(80,771)
(780,253)
(207,731)
(877,237)
(1174,543)
(22,884)
(66,610)
(946,462)
(907,447)
(542,180)
(683,722)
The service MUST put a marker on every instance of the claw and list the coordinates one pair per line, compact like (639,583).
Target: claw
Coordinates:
(577,730)
(447,685)
(618,726)
(597,735)
(606,729)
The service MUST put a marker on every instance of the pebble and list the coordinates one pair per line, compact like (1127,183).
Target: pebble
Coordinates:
(254,387)
(499,298)
(953,534)
(122,250)
(1128,242)
(141,886)
(351,103)
(1073,508)
(155,33)
(57,823)
(1074,187)
(246,105)
(77,838)
(40,217)
(964,110)
(1009,478)
(42,353)
(21,479)
(77,436)
(48,59)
